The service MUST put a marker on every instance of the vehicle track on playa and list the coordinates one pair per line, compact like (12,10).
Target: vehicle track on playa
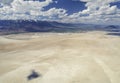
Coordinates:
(113,76)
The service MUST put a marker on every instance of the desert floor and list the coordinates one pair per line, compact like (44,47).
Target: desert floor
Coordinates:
(91,57)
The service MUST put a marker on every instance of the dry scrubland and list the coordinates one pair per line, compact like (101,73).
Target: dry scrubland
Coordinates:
(91,57)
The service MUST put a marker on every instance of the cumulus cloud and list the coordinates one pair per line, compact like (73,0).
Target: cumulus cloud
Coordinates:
(98,11)
(21,9)
(6,2)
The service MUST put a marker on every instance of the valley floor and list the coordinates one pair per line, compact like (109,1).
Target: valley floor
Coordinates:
(91,57)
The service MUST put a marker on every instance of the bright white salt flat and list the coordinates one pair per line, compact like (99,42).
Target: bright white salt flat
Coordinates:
(91,57)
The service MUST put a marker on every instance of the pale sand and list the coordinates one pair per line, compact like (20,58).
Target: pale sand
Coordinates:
(91,57)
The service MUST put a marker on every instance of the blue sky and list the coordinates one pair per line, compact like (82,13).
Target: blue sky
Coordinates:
(70,5)
(71,11)
(116,3)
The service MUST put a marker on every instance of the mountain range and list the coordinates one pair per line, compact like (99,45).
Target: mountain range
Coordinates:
(23,26)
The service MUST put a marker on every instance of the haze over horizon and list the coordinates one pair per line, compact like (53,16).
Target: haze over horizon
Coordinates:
(67,11)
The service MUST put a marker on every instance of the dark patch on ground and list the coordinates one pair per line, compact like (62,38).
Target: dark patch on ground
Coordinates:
(115,34)
(33,75)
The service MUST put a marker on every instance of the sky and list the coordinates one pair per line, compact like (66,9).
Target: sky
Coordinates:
(67,11)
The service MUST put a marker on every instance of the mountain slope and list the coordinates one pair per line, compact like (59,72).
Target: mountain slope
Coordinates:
(19,26)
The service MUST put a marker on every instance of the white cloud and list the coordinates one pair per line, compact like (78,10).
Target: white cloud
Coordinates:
(98,11)
(20,9)
(7,2)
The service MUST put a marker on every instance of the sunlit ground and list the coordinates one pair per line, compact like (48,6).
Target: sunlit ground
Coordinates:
(92,57)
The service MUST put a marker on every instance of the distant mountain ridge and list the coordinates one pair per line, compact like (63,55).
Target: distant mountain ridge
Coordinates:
(22,26)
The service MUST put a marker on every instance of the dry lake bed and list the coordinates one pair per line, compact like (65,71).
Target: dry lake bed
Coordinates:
(91,57)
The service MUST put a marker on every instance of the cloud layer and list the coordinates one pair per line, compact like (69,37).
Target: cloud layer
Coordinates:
(98,11)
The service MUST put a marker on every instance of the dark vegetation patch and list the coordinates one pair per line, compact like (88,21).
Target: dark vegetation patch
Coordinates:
(115,34)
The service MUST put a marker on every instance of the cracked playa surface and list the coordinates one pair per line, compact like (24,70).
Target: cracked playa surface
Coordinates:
(91,57)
